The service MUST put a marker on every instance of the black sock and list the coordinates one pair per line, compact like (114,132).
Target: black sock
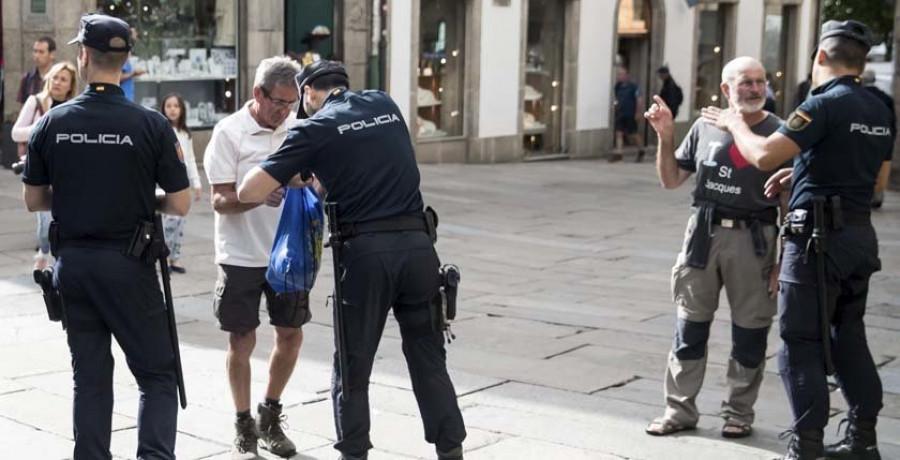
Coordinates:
(273,403)
(244,415)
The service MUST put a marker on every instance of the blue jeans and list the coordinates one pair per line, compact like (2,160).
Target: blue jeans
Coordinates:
(43,230)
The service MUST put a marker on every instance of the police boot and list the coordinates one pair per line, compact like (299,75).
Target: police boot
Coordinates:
(271,432)
(244,447)
(805,445)
(859,443)
(454,454)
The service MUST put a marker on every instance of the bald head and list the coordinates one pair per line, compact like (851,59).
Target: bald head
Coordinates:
(744,84)
(737,66)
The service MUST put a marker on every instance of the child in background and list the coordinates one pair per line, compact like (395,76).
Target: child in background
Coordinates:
(173,226)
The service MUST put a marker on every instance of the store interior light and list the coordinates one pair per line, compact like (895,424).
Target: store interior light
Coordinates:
(146,8)
(443,60)
(228,94)
(714,98)
(454,113)
(112,7)
(717,49)
(454,53)
(554,108)
(778,74)
(441,89)
(554,83)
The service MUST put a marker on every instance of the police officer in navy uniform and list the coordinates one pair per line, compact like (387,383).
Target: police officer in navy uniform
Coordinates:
(95,163)
(357,145)
(840,139)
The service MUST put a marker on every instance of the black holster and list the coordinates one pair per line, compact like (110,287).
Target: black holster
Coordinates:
(443,305)
(53,300)
(147,244)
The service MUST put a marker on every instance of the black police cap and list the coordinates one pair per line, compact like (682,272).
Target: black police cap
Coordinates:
(99,30)
(313,72)
(851,29)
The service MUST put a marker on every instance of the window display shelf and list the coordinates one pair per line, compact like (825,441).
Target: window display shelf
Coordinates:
(174,78)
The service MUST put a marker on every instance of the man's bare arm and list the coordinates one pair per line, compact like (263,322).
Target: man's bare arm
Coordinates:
(765,153)
(37,197)
(225,200)
(883,177)
(256,186)
(177,203)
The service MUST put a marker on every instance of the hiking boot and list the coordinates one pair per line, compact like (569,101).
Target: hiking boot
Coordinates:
(859,442)
(244,447)
(270,425)
(454,454)
(805,445)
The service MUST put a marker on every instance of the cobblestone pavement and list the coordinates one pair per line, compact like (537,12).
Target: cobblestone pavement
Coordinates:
(565,323)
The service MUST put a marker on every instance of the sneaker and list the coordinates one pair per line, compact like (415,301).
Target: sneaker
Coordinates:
(270,425)
(245,442)
(177,269)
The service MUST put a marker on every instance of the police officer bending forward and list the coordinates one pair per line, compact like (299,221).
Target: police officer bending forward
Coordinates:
(358,146)
(839,138)
(95,163)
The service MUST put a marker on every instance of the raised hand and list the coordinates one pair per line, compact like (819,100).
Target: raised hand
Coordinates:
(659,115)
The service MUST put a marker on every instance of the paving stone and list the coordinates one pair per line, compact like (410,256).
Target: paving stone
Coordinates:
(48,412)
(19,439)
(124,445)
(11,386)
(529,449)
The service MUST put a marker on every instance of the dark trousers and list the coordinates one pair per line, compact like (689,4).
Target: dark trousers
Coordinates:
(399,270)
(106,295)
(852,257)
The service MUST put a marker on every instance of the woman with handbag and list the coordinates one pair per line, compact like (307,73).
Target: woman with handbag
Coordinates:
(59,87)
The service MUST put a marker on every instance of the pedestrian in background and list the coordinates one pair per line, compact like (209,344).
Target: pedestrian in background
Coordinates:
(670,92)
(60,86)
(173,225)
(628,109)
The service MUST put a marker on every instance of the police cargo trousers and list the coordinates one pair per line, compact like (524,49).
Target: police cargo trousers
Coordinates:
(732,263)
(381,271)
(108,295)
(852,257)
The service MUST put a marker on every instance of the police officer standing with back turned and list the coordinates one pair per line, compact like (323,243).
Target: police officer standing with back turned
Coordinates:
(358,146)
(843,138)
(95,163)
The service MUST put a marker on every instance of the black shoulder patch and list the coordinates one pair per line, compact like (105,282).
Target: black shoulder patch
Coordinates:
(798,120)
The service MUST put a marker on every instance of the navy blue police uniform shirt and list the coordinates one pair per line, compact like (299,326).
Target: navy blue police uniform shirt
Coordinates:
(359,148)
(103,156)
(845,136)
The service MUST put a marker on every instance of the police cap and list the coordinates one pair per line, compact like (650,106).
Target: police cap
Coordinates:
(313,72)
(851,29)
(98,31)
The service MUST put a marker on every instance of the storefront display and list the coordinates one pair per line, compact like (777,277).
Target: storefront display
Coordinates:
(184,46)
(542,120)
(440,92)
(710,55)
(775,51)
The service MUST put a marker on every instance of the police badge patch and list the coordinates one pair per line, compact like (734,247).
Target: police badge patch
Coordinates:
(798,120)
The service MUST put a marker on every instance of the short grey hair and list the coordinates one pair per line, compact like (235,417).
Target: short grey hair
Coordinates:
(736,65)
(278,70)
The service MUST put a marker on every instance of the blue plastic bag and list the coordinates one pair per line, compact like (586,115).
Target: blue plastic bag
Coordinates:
(297,250)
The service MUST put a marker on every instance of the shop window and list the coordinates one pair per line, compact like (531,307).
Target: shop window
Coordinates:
(38,6)
(710,55)
(775,55)
(184,46)
(542,120)
(310,30)
(440,92)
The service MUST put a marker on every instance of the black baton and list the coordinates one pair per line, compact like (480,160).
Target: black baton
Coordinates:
(819,235)
(163,254)
(334,241)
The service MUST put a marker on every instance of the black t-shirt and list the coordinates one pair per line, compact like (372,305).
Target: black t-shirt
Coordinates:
(103,156)
(724,177)
(359,147)
(844,133)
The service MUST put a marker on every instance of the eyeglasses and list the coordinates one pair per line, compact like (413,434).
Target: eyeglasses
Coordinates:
(280,103)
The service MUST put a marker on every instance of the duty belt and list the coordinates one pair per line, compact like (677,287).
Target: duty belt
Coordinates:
(407,222)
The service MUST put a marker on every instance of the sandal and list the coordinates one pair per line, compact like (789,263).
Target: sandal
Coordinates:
(663,426)
(734,429)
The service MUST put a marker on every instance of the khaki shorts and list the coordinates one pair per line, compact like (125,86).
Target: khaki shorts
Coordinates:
(237,298)
(733,264)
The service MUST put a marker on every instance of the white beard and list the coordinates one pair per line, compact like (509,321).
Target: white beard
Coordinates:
(747,108)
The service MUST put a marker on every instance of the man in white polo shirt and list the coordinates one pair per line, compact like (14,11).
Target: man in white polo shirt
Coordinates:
(244,236)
